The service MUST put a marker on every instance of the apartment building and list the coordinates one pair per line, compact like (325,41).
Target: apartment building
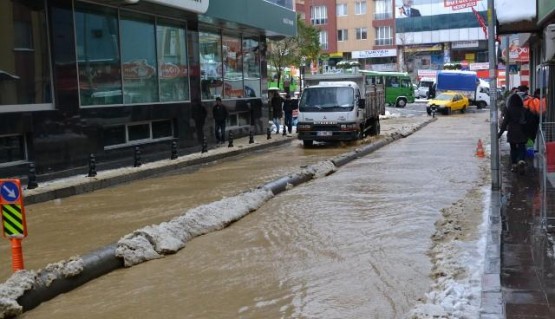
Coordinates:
(386,35)
(354,30)
(369,27)
(322,15)
(439,32)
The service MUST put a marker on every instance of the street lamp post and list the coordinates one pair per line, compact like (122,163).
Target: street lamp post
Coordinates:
(494,125)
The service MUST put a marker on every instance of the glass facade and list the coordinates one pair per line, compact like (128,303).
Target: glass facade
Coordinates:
(80,77)
(12,149)
(132,59)
(172,54)
(98,55)
(24,55)
(211,64)
(230,65)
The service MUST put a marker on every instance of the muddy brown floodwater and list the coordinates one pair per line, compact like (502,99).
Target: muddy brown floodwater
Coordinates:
(351,245)
(79,224)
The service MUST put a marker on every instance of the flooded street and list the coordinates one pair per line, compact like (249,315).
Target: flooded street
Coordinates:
(79,224)
(355,244)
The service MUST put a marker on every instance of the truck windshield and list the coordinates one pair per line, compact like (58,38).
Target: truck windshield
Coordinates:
(327,99)
(426,84)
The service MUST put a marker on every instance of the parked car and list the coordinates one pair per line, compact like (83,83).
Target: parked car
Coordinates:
(447,102)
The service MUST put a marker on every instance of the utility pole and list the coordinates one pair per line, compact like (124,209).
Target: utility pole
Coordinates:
(494,125)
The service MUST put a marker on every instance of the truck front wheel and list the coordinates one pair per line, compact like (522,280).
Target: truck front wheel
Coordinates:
(481,104)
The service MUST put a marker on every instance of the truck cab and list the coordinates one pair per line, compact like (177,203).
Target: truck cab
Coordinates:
(335,108)
(482,99)
(424,87)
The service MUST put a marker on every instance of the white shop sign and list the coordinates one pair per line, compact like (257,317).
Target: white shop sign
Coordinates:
(373,53)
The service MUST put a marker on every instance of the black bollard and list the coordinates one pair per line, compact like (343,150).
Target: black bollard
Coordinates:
(174,151)
(230,138)
(204,145)
(137,157)
(251,137)
(268,134)
(92,165)
(32,177)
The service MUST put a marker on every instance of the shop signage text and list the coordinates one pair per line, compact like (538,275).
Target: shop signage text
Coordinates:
(374,53)
(460,4)
(464,44)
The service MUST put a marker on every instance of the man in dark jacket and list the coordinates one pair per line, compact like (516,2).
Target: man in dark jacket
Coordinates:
(199,115)
(514,121)
(288,107)
(277,111)
(219,112)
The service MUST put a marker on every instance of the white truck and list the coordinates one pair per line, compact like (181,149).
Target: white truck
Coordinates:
(424,86)
(466,83)
(339,107)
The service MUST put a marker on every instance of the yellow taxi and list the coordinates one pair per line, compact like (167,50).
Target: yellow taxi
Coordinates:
(447,102)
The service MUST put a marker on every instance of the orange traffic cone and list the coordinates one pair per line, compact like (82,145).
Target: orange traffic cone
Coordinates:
(480,149)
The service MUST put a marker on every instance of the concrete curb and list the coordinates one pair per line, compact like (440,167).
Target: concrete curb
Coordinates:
(492,296)
(50,283)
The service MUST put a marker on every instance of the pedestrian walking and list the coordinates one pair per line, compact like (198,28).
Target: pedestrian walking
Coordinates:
(514,121)
(277,110)
(219,112)
(288,107)
(199,115)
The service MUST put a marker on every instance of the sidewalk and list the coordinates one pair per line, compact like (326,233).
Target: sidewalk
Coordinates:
(527,262)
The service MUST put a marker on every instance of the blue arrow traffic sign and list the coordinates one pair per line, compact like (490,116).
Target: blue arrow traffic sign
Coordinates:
(9,191)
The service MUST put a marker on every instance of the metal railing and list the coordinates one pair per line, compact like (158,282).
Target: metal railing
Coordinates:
(546,166)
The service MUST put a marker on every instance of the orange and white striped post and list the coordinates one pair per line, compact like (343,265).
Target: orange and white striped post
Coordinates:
(12,212)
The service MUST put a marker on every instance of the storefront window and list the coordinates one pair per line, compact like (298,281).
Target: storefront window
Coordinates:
(233,67)
(24,66)
(138,56)
(211,64)
(251,66)
(12,149)
(172,59)
(136,133)
(96,31)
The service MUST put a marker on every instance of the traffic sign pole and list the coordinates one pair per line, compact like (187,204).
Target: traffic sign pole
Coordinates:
(12,212)
(17,254)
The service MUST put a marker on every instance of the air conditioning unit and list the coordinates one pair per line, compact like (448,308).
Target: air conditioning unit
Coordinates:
(549,42)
